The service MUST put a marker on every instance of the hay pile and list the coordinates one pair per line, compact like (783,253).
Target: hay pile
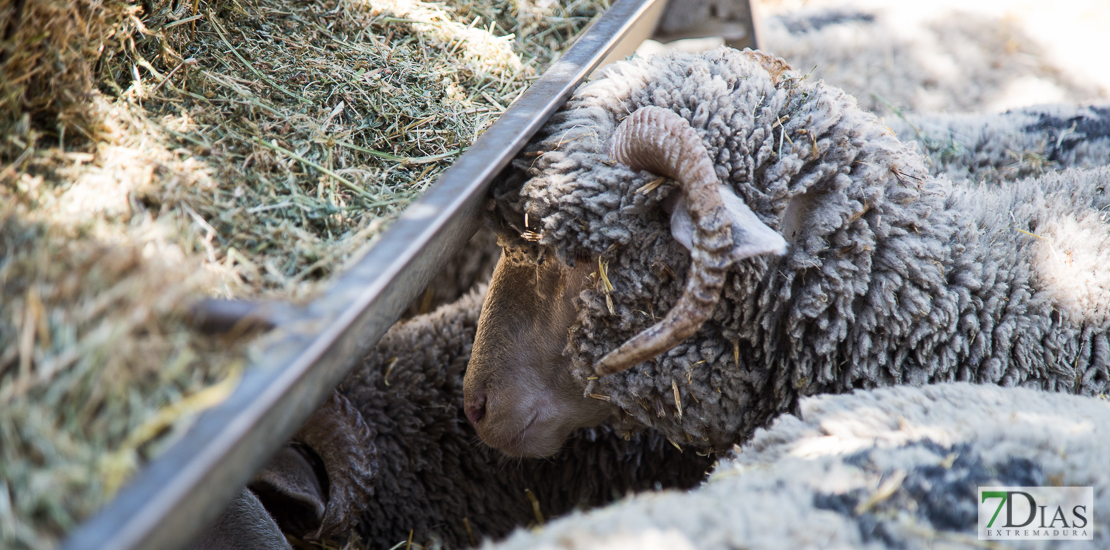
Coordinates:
(154,153)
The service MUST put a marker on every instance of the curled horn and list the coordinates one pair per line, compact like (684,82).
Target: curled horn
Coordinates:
(660,141)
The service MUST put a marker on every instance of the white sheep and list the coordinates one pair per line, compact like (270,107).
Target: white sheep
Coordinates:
(1006,146)
(885,468)
(890,275)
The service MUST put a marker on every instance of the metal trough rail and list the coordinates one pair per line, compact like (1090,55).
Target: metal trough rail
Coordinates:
(183,490)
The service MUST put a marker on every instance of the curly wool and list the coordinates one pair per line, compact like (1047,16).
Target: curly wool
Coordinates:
(432,474)
(1016,144)
(894,277)
(817,480)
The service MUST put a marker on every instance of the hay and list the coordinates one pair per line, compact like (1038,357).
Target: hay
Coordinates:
(48,53)
(236,149)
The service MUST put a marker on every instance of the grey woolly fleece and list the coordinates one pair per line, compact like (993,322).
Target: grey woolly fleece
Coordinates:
(1016,144)
(894,276)
(966,63)
(814,481)
(432,470)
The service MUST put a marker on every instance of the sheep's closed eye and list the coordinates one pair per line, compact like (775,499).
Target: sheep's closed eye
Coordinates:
(797,210)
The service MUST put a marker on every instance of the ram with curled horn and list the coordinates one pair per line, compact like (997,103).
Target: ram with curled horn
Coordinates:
(708,219)
(846,265)
(519,392)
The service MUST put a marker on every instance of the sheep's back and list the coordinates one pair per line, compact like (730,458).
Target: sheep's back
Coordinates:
(1031,262)
(886,468)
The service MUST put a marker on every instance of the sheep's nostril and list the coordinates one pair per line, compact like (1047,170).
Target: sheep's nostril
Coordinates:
(475,407)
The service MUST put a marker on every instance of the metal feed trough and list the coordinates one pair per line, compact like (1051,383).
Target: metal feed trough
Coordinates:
(182,491)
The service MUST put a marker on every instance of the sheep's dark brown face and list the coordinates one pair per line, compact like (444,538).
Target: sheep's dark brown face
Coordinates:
(518,389)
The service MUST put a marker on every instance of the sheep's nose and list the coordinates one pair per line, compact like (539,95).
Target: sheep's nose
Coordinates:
(475,407)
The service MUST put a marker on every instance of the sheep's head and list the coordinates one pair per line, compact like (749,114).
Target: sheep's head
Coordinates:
(519,392)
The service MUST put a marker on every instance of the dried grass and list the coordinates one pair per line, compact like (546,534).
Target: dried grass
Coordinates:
(244,148)
(49,50)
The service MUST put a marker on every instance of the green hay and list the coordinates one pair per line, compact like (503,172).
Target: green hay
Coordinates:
(246,148)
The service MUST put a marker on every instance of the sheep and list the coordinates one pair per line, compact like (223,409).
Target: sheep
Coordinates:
(948,59)
(245,523)
(407,459)
(312,489)
(1016,144)
(885,468)
(890,276)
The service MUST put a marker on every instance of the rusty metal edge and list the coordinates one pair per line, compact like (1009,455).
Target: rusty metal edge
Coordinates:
(183,490)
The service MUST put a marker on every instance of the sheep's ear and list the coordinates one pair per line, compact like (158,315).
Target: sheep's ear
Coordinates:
(292,491)
(750,237)
(245,523)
